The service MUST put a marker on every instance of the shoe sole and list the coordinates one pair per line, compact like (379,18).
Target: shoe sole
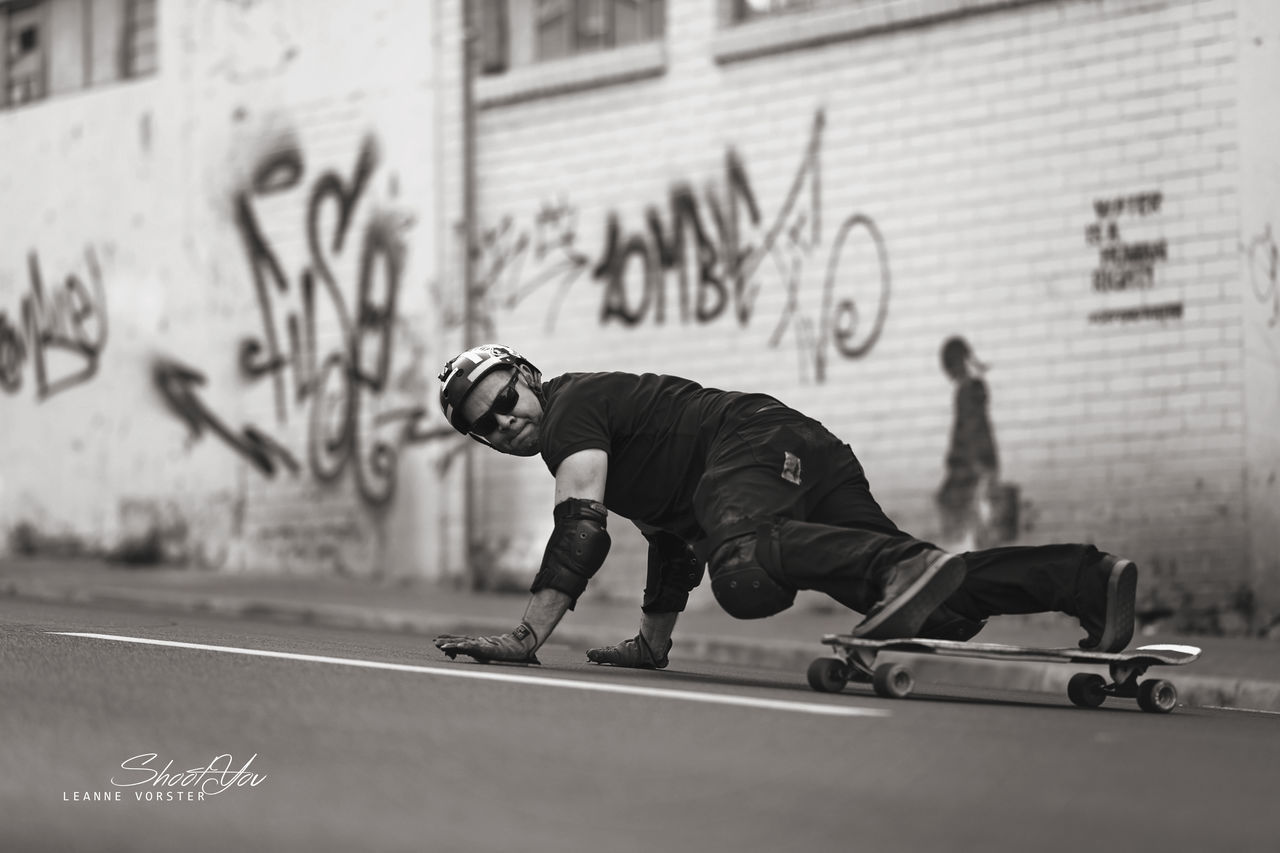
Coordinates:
(1122,589)
(906,614)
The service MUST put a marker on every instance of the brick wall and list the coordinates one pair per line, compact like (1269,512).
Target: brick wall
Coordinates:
(1055,181)
(1259,40)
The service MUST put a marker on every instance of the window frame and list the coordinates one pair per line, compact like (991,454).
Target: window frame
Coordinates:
(804,28)
(129,41)
(575,74)
(581,68)
(127,50)
(7,11)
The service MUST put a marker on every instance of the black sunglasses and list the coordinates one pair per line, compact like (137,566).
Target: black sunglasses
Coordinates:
(503,403)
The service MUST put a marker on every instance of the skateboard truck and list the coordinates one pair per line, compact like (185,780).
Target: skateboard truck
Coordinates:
(1090,690)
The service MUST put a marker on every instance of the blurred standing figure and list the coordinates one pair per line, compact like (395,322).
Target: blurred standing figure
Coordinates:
(965,499)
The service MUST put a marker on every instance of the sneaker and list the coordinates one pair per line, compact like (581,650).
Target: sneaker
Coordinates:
(1105,602)
(945,624)
(915,589)
(636,653)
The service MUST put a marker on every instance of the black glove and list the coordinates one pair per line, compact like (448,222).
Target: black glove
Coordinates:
(635,653)
(514,647)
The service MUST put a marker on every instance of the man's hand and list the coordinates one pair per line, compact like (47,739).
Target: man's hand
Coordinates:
(635,653)
(514,647)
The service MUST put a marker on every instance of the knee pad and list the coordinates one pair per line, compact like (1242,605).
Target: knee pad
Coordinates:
(741,583)
(576,550)
(674,572)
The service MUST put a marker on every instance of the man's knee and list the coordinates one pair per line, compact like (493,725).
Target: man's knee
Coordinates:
(674,572)
(742,584)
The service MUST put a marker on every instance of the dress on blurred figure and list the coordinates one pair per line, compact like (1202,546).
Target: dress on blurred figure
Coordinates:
(969,493)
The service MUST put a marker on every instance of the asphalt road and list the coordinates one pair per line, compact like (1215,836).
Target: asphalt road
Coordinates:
(385,745)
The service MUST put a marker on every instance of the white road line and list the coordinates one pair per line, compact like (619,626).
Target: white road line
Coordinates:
(513,678)
(1241,710)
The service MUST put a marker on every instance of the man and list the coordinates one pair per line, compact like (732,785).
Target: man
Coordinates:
(760,495)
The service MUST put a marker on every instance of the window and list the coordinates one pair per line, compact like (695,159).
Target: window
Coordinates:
(51,47)
(524,32)
(139,53)
(753,28)
(24,59)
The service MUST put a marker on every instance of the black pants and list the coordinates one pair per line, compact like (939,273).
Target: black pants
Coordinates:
(782,494)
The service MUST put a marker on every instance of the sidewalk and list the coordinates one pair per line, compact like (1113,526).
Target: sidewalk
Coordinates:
(1234,672)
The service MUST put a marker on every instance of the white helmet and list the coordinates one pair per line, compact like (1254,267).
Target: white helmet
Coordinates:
(463,371)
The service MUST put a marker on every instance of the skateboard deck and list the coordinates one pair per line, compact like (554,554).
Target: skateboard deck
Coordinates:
(855,659)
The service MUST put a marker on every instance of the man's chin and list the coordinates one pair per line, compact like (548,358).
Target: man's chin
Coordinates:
(520,448)
(523,451)
(526,441)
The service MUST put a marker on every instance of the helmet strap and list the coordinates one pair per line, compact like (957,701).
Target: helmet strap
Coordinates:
(534,383)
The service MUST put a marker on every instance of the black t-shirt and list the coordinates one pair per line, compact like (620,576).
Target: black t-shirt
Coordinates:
(656,429)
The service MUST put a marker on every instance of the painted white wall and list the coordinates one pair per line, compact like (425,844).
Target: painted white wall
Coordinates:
(138,189)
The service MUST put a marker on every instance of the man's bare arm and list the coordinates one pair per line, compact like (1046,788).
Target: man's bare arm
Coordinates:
(581,476)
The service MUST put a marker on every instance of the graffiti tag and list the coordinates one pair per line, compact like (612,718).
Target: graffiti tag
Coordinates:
(706,256)
(1264,272)
(337,383)
(70,319)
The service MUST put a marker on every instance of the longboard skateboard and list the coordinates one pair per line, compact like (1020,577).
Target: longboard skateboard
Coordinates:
(855,660)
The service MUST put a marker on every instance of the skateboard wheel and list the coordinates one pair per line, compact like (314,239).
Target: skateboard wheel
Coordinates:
(829,674)
(892,681)
(1087,689)
(1157,696)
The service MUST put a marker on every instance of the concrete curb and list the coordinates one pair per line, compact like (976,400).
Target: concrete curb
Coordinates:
(1193,690)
